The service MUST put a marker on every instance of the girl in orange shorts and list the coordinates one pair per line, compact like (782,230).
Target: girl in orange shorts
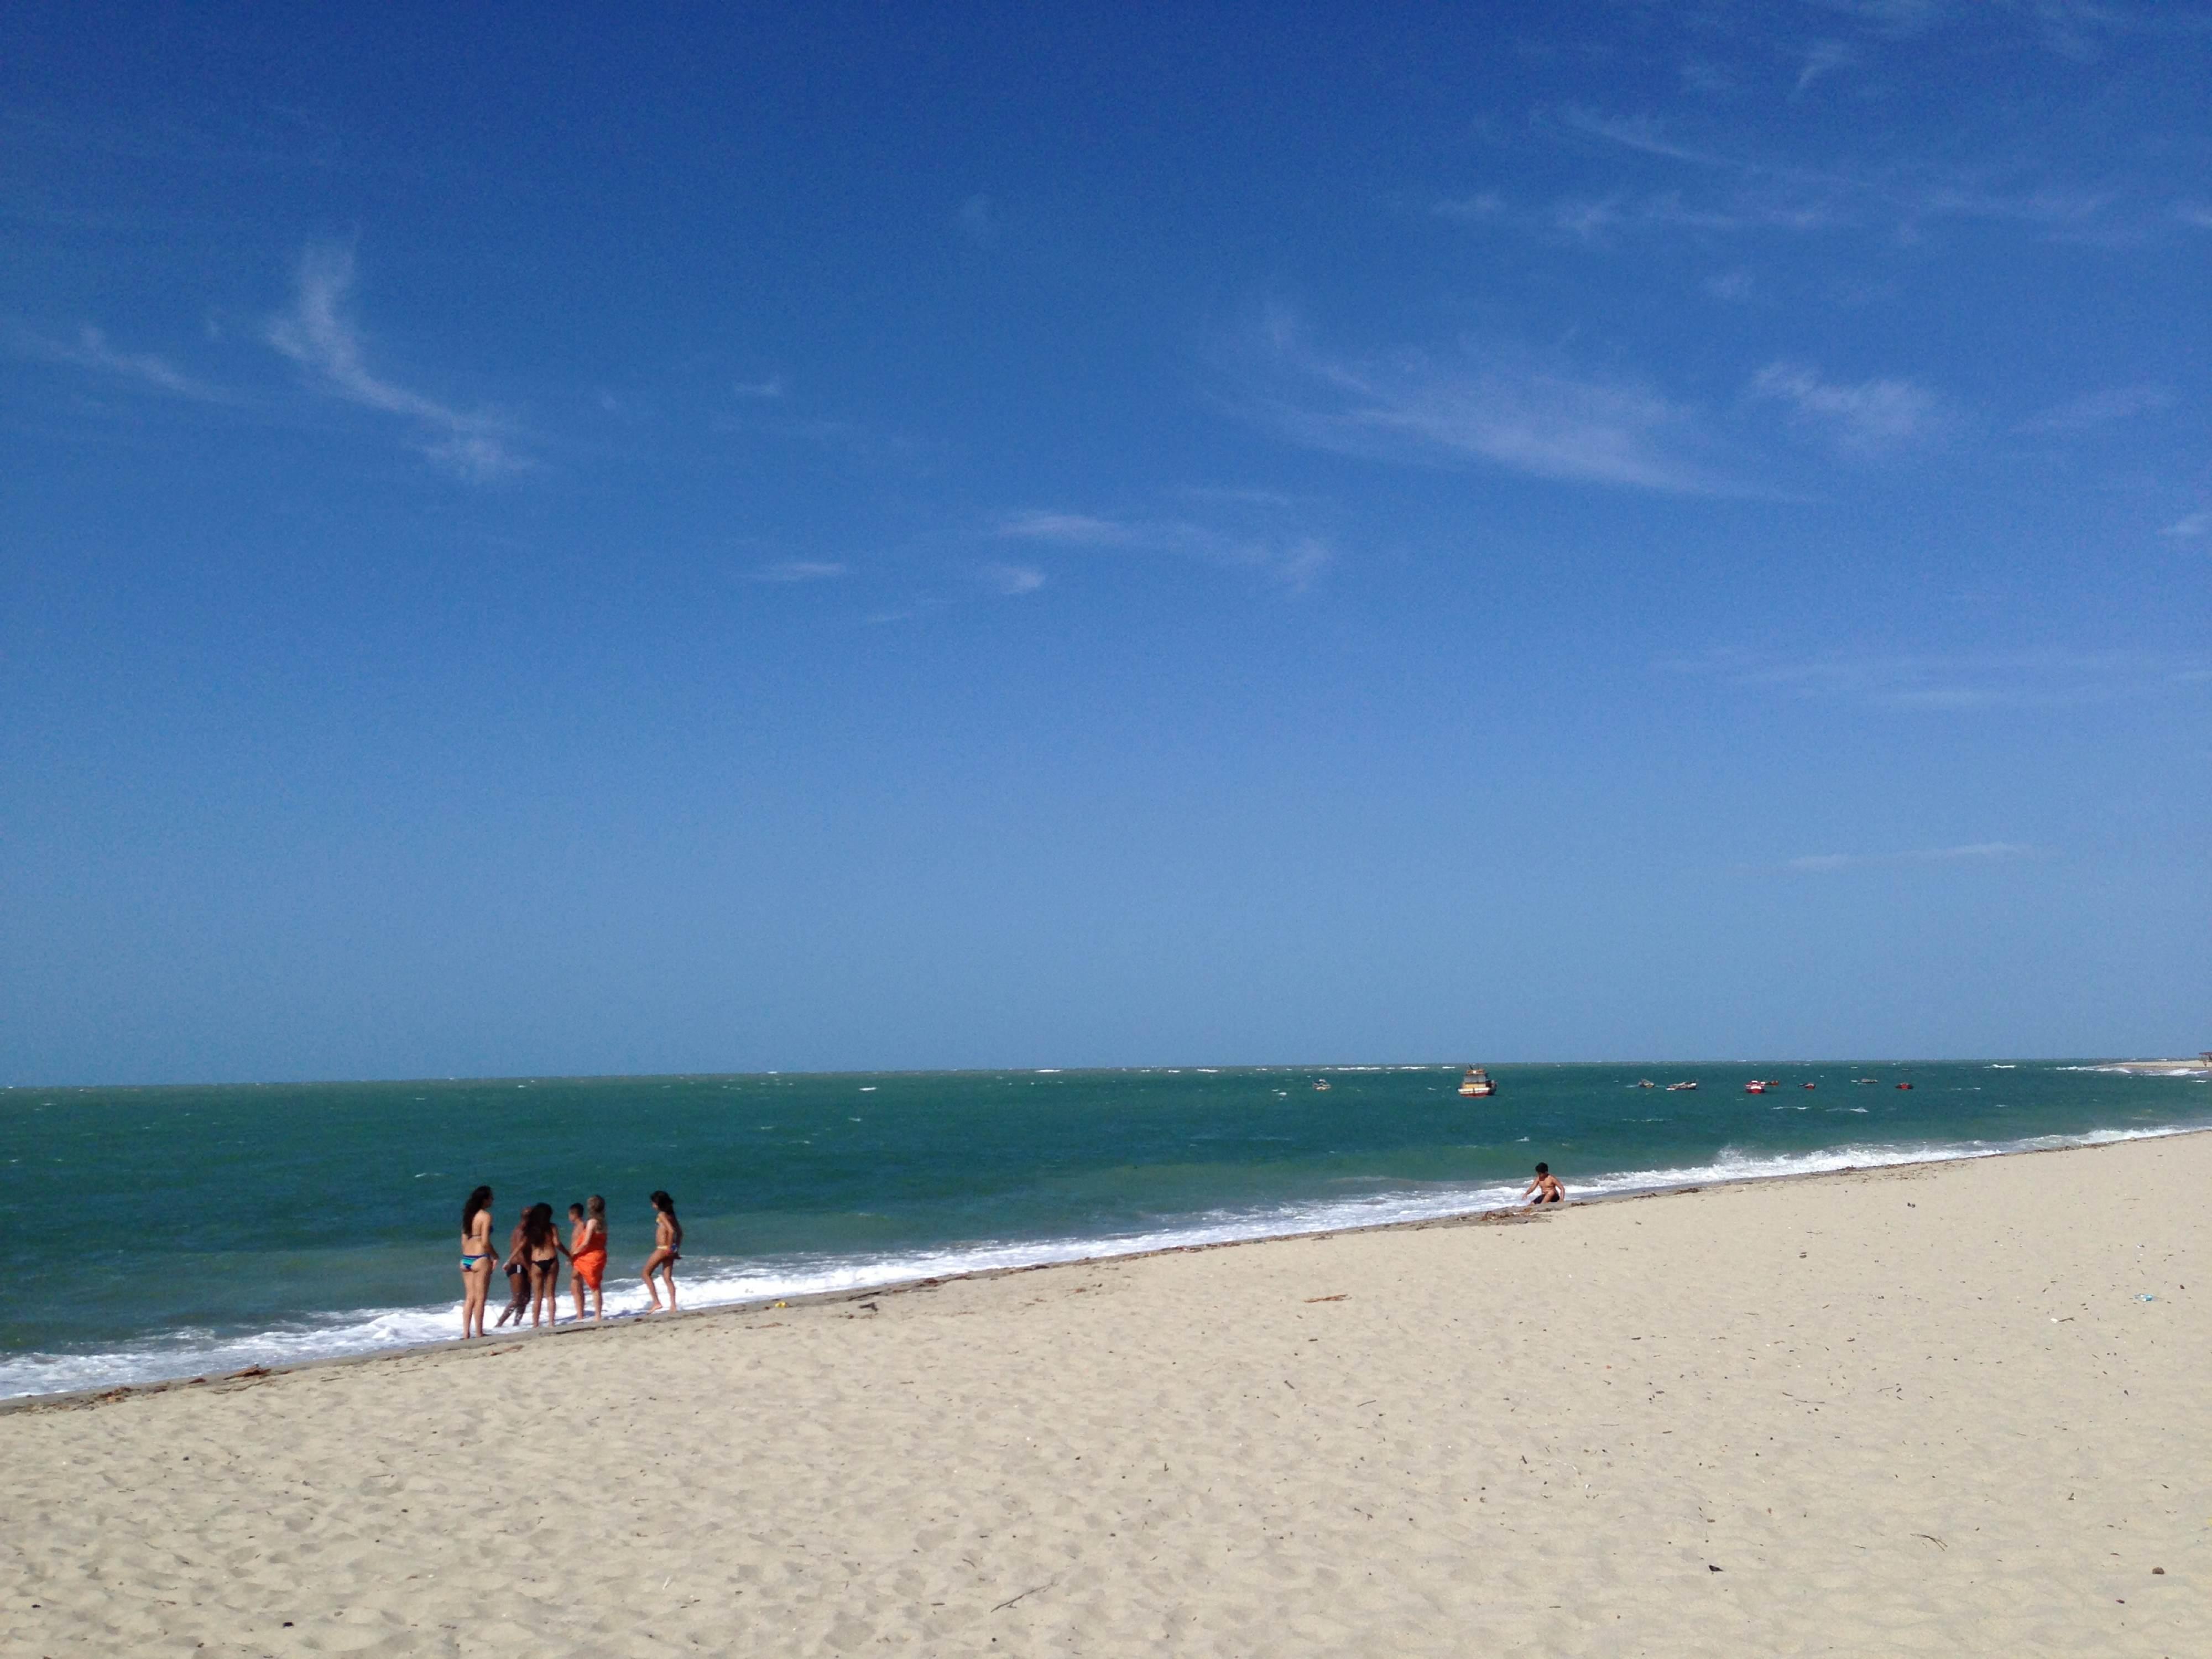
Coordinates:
(588,1251)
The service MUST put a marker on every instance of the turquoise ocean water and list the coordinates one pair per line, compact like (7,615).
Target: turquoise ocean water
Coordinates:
(172,1231)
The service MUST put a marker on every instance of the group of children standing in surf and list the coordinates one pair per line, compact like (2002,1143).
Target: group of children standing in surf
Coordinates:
(534,1251)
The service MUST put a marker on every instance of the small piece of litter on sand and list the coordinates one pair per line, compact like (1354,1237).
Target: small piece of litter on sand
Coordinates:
(1338,1298)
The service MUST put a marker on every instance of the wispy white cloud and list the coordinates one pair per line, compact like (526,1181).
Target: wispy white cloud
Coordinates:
(1507,407)
(1873,418)
(1596,220)
(1292,561)
(979,221)
(1586,221)
(771,388)
(1980,852)
(1777,194)
(1896,19)
(317,334)
(2195,213)
(856,441)
(1238,496)
(2072,29)
(1701,75)
(1954,684)
(796,570)
(2190,527)
(1074,529)
(1013,579)
(1600,219)
(2096,408)
(2051,206)
(1647,136)
(1298,564)
(1823,57)
(91,350)
(1484,204)
(2078,28)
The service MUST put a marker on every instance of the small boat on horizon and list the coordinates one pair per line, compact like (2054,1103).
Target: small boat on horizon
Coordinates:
(1757,1086)
(1320,1083)
(1676,1088)
(1477,1083)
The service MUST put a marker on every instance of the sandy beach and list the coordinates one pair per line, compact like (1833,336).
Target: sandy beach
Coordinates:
(1955,1409)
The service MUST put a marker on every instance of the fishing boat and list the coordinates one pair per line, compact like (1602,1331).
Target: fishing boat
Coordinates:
(1320,1083)
(1477,1082)
(1646,1083)
(1677,1088)
(1756,1087)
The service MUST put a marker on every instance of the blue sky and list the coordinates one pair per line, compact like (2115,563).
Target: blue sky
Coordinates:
(853,537)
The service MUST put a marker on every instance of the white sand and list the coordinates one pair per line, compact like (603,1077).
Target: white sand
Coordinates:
(1848,1395)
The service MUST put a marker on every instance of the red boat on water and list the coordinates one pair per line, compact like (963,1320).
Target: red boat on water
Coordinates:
(1756,1087)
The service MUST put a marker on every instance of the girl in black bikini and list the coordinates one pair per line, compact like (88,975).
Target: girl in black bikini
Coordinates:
(542,1241)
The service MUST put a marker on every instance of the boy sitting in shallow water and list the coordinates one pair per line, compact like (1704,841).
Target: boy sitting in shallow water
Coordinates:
(1546,1187)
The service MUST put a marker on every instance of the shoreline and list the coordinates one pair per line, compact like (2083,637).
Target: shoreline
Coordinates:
(1936,1407)
(82,1399)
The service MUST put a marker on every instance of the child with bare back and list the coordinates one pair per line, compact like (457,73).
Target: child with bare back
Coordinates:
(518,1274)
(1546,1187)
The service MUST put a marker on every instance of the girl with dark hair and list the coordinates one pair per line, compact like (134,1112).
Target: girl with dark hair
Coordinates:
(475,1260)
(543,1242)
(667,1251)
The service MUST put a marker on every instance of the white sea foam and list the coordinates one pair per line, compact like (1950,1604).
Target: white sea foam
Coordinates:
(708,1283)
(2177,1069)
